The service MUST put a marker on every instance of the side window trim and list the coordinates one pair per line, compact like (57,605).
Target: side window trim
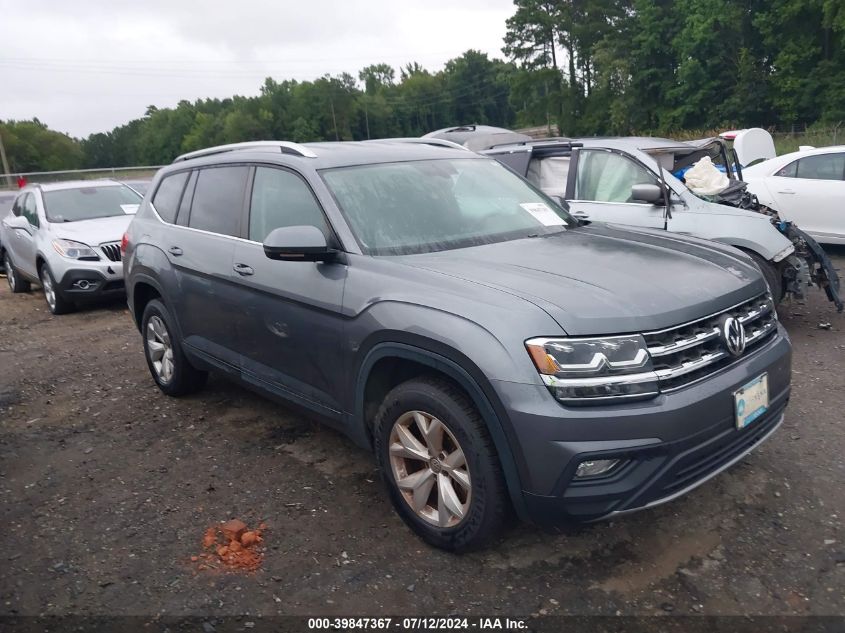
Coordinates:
(573,173)
(186,200)
(332,238)
(247,203)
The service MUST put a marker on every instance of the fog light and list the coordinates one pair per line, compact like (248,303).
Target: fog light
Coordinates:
(595,468)
(84,284)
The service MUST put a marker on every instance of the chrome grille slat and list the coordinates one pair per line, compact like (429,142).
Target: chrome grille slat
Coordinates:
(694,350)
(111,250)
(662,350)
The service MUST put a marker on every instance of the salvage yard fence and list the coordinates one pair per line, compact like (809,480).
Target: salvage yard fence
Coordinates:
(10,181)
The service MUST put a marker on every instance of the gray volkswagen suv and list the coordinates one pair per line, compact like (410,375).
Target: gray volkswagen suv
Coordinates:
(496,354)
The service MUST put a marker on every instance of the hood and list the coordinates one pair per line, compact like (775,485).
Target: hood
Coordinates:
(93,232)
(604,279)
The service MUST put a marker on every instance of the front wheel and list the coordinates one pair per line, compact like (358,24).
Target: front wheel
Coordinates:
(772,273)
(166,360)
(440,466)
(55,300)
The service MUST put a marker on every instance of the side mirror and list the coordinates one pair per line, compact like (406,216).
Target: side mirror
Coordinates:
(18,222)
(647,193)
(297,244)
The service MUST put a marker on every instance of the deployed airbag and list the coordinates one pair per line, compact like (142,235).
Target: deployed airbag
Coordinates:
(704,179)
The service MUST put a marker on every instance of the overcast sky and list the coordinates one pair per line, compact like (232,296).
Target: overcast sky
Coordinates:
(89,65)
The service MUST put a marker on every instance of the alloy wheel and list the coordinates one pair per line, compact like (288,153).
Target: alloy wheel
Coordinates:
(49,290)
(159,348)
(430,469)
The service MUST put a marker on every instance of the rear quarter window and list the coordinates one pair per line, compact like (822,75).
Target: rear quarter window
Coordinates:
(168,195)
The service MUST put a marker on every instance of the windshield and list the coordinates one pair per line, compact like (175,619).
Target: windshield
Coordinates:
(431,205)
(88,203)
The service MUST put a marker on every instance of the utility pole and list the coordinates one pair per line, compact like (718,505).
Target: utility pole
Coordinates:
(6,170)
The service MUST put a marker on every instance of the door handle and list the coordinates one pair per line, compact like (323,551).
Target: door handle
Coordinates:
(243,270)
(788,192)
(175,251)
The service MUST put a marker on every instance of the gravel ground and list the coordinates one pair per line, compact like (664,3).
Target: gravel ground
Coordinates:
(107,486)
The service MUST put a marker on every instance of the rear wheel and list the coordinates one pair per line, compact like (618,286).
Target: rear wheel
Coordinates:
(440,465)
(166,360)
(17,283)
(54,297)
(771,272)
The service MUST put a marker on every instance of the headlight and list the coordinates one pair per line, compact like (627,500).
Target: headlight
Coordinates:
(584,370)
(74,250)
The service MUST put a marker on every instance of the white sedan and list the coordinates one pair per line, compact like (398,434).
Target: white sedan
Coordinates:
(806,187)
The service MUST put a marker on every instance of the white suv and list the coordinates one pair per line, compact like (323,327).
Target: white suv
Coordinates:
(66,237)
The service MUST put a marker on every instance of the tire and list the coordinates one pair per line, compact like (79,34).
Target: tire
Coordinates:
(56,301)
(168,364)
(481,500)
(17,283)
(772,274)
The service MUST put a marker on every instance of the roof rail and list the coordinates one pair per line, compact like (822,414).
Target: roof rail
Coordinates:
(552,141)
(286,147)
(440,142)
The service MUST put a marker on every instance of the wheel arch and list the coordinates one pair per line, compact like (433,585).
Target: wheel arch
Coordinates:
(455,367)
(144,289)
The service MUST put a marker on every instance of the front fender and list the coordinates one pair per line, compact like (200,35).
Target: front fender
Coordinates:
(466,374)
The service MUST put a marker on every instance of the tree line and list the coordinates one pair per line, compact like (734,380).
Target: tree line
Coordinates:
(591,67)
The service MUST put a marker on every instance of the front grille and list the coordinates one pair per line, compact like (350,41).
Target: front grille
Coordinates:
(111,250)
(689,352)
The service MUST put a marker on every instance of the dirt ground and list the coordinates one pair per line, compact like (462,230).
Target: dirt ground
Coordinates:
(107,486)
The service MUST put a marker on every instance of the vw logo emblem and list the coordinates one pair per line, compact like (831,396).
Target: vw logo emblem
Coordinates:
(733,335)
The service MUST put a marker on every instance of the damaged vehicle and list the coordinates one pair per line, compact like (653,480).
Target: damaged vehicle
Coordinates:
(638,181)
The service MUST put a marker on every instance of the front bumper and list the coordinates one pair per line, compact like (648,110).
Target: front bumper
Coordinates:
(81,279)
(670,444)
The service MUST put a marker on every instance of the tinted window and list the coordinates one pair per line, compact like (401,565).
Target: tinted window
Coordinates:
(432,205)
(789,171)
(30,211)
(822,167)
(608,177)
(218,200)
(88,203)
(168,195)
(280,198)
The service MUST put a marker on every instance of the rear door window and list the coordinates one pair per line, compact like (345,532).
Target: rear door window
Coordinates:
(549,174)
(218,200)
(168,195)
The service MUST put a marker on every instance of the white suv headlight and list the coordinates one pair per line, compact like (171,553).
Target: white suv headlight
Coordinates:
(585,370)
(74,250)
